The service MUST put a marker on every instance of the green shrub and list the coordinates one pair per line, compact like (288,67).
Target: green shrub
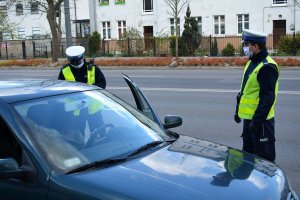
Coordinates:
(228,50)
(94,43)
(131,42)
(286,44)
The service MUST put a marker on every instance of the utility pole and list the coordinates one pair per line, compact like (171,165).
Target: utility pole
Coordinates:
(76,19)
(294,39)
(68,23)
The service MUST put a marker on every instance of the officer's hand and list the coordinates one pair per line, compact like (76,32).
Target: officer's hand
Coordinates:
(252,127)
(237,119)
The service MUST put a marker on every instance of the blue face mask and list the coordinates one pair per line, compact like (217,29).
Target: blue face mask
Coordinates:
(247,52)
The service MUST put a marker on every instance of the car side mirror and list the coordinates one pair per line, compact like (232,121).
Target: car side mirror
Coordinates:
(9,169)
(172,121)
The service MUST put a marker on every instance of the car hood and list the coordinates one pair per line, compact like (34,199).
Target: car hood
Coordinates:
(189,168)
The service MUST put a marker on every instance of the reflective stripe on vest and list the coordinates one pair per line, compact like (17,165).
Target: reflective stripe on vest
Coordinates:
(234,160)
(250,97)
(70,77)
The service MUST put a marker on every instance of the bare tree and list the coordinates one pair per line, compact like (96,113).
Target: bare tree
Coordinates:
(52,9)
(5,25)
(176,7)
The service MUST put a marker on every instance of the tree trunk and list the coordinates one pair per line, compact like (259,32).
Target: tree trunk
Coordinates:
(55,31)
(176,31)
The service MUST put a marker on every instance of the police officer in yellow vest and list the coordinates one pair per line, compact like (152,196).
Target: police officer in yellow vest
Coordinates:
(79,70)
(238,165)
(257,97)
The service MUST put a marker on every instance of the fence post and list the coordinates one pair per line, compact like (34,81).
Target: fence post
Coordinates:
(294,45)
(46,52)
(33,48)
(24,49)
(62,50)
(103,46)
(210,41)
(154,46)
(6,50)
(128,44)
(51,48)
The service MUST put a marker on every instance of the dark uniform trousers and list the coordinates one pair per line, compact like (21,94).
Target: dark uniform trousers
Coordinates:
(260,141)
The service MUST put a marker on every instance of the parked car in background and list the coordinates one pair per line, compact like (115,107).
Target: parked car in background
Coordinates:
(68,140)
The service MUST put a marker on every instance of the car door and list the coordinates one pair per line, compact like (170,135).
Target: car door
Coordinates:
(142,102)
(20,178)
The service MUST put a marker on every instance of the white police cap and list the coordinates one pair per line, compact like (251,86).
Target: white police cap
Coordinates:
(75,51)
(254,36)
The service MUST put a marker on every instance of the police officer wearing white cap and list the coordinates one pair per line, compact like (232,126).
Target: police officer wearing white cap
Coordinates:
(257,97)
(79,70)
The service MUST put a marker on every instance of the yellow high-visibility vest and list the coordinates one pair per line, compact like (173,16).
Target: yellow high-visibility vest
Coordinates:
(250,97)
(94,106)
(69,76)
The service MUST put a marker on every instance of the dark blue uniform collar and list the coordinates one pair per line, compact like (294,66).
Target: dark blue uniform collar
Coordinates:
(260,56)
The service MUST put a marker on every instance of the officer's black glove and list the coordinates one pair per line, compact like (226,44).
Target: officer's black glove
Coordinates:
(236,118)
(253,127)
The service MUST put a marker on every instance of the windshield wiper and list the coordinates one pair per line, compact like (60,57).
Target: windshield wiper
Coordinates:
(97,164)
(147,146)
(112,161)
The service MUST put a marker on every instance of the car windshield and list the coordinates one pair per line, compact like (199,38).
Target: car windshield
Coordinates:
(76,129)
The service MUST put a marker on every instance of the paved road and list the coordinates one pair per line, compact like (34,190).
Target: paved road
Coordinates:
(206,99)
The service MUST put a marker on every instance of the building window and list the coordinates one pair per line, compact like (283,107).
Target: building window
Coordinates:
(19,9)
(121,28)
(3,9)
(7,36)
(279,2)
(34,8)
(103,2)
(219,24)
(120,2)
(21,33)
(147,6)
(243,23)
(172,26)
(86,30)
(106,30)
(199,23)
(36,32)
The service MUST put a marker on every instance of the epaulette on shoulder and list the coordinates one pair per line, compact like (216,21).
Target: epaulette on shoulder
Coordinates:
(66,65)
(272,66)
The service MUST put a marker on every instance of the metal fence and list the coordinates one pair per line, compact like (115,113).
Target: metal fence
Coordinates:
(150,46)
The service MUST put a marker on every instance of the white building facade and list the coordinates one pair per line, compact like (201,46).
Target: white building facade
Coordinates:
(31,23)
(215,17)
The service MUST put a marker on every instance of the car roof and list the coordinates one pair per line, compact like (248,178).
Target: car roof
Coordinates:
(21,90)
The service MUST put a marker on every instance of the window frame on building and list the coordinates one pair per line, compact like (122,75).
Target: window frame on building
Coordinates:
(21,33)
(145,6)
(34,7)
(106,30)
(120,2)
(243,22)
(121,28)
(19,9)
(103,2)
(219,25)
(279,3)
(36,32)
(172,26)
(4,9)
(199,24)
(6,36)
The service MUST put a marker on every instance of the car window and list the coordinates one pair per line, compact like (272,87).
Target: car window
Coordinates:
(80,128)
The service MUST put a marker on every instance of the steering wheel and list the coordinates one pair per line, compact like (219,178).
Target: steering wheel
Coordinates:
(98,135)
